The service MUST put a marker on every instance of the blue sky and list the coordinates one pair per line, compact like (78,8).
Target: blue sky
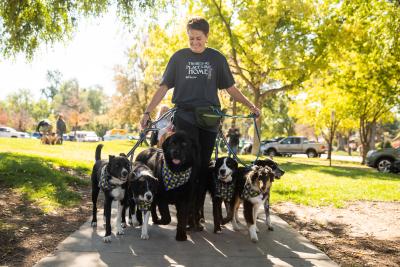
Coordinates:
(97,46)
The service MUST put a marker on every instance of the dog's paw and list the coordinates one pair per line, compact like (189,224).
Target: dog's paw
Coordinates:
(107,239)
(123,225)
(217,230)
(94,224)
(181,236)
(120,231)
(254,239)
(144,236)
(134,222)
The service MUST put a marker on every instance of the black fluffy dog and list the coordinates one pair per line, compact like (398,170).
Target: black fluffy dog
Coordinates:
(175,166)
(111,177)
(142,188)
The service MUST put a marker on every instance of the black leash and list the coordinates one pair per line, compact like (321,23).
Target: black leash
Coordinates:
(221,136)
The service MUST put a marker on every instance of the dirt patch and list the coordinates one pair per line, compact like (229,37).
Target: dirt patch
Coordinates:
(27,234)
(361,234)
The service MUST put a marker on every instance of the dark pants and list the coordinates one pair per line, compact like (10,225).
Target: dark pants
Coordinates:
(206,142)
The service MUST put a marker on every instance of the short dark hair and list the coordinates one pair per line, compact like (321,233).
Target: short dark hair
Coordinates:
(198,23)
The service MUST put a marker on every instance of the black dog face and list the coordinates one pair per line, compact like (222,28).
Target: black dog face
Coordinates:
(143,183)
(224,168)
(278,172)
(179,152)
(118,167)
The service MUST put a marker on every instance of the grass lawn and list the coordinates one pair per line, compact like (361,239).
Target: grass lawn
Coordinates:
(29,166)
(33,169)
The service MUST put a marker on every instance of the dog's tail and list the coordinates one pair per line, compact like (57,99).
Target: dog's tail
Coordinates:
(98,152)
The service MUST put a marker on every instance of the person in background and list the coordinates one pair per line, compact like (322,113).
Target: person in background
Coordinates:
(233,136)
(61,127)
(197,73)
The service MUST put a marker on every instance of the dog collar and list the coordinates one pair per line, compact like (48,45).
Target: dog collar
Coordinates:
(225,190)
(174,179)
(249,192)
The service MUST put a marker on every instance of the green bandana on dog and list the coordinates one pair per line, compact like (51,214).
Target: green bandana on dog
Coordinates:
(249,192)
(225,190)
(172,179)
(143,205)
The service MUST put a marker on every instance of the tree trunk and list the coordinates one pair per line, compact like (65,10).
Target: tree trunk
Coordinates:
(341,142)
(365,138)
(372,136)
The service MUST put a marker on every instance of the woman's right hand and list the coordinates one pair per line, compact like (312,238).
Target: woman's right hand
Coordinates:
(144,121)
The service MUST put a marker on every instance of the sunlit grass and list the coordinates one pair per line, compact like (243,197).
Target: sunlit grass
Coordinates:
(312,182)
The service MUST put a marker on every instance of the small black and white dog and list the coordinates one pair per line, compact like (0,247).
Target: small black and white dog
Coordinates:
(252,187)
(111,177)
(175,166)
(142,188)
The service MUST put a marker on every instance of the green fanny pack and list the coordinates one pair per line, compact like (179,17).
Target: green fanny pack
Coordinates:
(207,117)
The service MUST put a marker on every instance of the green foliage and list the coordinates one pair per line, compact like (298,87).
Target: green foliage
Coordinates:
(25,24)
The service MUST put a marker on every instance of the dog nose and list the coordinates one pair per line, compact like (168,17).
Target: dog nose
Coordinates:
(124,173)
(148,197)
(222,171)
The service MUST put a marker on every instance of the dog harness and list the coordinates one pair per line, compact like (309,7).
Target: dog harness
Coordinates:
(249,192)
(174,179)
(143,205)
(104,182)
(224,190)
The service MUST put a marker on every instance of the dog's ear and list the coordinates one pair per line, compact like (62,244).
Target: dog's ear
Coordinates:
(123,155)
(111,157)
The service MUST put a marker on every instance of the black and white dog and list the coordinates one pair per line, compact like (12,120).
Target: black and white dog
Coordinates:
(175,166)
(221,182)
(252,187)
(142,189)
(111,177)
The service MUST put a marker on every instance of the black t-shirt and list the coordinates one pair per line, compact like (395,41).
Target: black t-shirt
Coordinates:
(196,78)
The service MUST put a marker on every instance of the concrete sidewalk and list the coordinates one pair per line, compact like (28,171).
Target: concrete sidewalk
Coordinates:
(281,247)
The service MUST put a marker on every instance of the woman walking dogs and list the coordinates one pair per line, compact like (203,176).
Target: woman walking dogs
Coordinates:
(196,73)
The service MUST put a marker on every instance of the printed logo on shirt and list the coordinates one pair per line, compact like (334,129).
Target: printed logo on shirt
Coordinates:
(197,69)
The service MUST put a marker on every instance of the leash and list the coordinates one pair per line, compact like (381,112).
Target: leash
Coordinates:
(151,127)
(222,137)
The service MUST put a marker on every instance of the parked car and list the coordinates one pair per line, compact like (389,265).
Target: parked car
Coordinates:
(91,137)
(294,145)
(116,134)
(12,133)
(384,160)
(83,136)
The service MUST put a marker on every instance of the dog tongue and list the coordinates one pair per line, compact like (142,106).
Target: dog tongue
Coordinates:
(176,161)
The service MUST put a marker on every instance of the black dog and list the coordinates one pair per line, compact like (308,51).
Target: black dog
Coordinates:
(221,182)
(175,167)
(142,188)
(109,176)
(278,172)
